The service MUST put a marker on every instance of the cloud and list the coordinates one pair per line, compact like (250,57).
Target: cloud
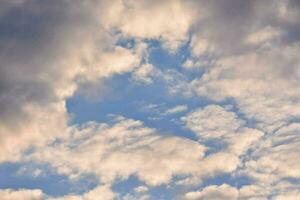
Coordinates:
(53,49)
(264,35)
(264,88)
(246,54)
(147,19)
(284,190)
(276,157)
(214,192)
(215,123)
(124,149)
(48,51)
(101,192)
(288,196)
(145,73)
(8,194)
(176,109)
(212,122)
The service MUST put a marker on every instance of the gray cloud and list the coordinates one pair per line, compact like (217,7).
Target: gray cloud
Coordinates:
(46,47)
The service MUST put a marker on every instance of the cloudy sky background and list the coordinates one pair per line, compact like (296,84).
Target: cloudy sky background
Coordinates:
(173,99)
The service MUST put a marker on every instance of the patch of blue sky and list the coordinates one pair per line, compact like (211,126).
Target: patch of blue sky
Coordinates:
(230,179)
(128,98)
(126,42)
(292,180)
(122,187)
(127,186)
(39,176)
(164,59)
(164,192)
(214,146)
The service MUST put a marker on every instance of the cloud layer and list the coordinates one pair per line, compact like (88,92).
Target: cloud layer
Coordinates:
(223,111)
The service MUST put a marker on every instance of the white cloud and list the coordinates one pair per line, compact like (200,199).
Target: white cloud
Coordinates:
(212,121)
(128,148)
(144,73)
(276,157)
(288,196)
(125,149)
(176,109)
(22,194)
(214,192)
(216,123)
(141,189)
(260,83)
(147,19)
(248,52)
(101,192)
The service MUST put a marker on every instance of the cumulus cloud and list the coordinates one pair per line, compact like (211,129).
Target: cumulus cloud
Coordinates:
(49,49)
(127,148)
(45,61)
(147,19)
(101,192)
(254,64)
(212,122)
(247,53)
(259,83)
(256,68)
(9,194)
(215,123)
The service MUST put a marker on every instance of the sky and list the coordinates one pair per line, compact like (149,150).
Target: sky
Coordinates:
(149,100)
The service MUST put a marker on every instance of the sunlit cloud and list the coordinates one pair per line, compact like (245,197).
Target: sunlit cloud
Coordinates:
(146,99)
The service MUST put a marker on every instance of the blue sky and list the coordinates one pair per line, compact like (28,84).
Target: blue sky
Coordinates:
(142,100)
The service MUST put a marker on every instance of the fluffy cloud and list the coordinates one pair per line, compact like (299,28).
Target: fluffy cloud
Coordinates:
(101,192)
(44,62)
(147,19)
(256,64)
(288,196)
(8,194)
(255,67)
(248,52)
(53,48)
(260,83)
(212,122)
(216,123)
(214,192)
(127,148)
